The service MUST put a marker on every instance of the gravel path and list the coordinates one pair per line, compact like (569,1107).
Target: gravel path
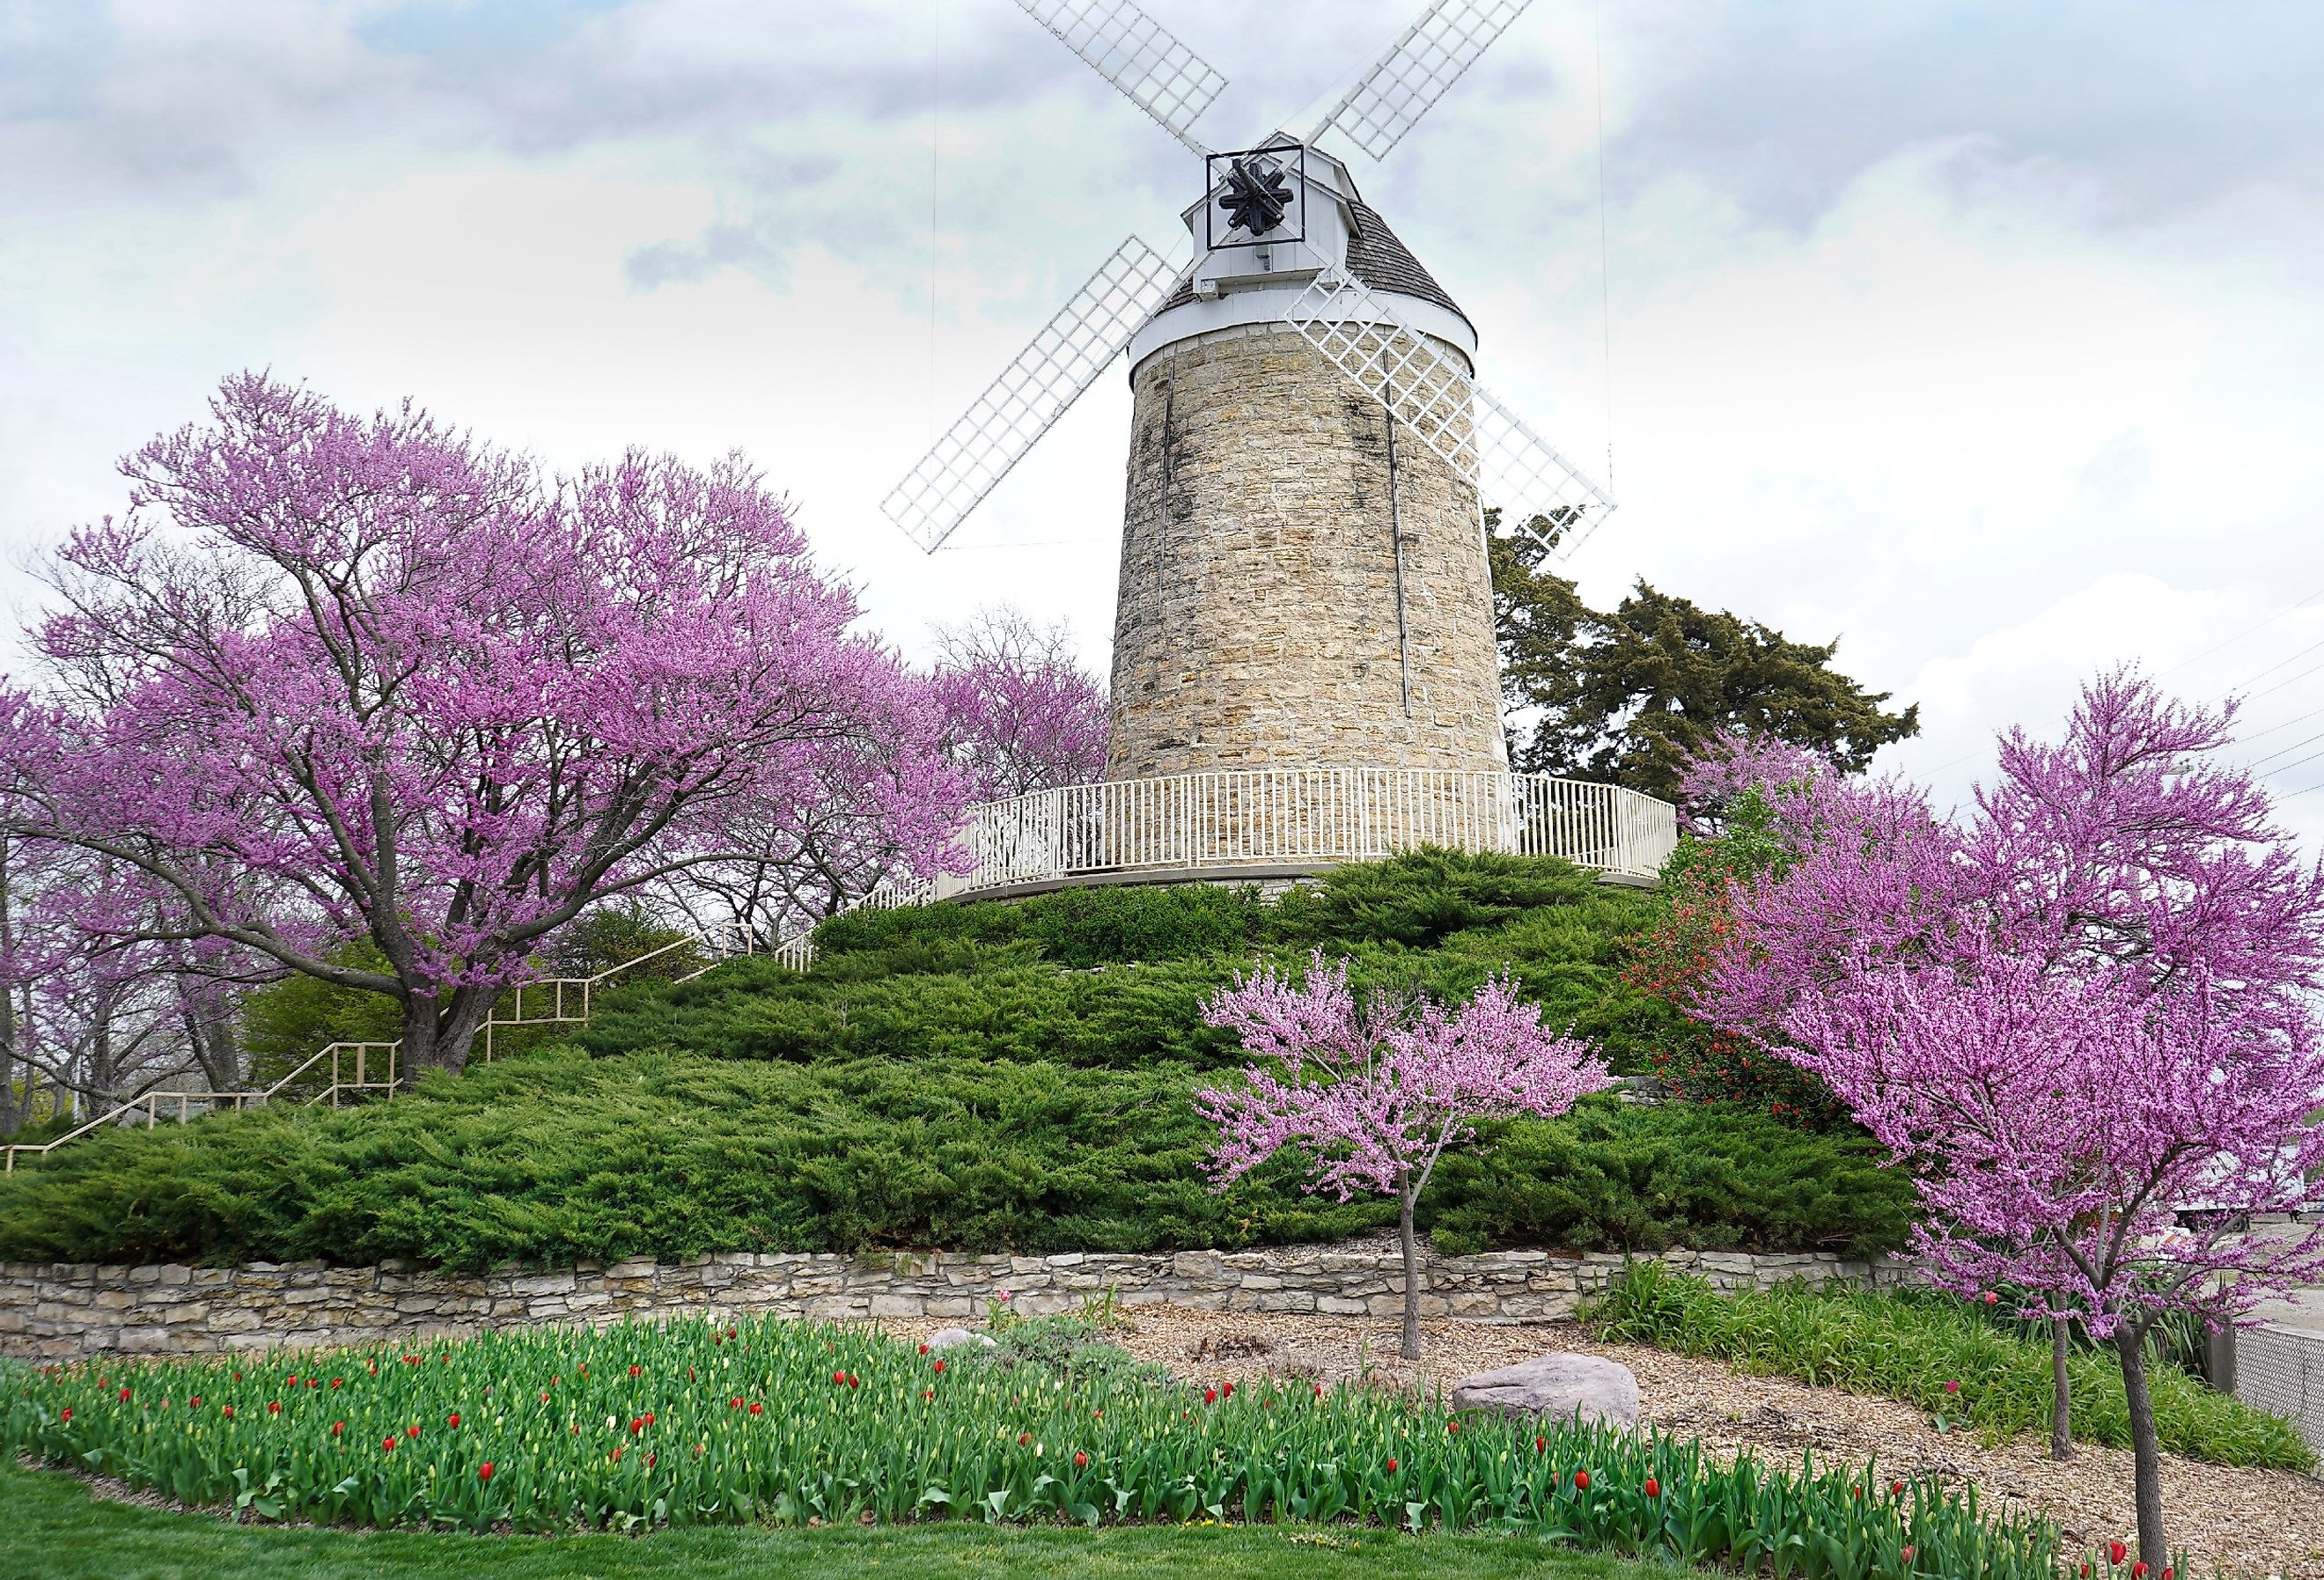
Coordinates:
(2234,1522)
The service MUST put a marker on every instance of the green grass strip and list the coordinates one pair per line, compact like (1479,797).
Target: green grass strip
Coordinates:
(57,1531)
(1907,1346)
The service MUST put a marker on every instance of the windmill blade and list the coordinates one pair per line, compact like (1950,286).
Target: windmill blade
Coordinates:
(1138,55)
(1540,493)
(1362,334)
(1032,393)
(1389,99)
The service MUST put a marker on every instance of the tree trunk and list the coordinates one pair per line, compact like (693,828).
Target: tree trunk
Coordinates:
(2146,1457)
(2062,1398)
(435,1037)
(1411,1272)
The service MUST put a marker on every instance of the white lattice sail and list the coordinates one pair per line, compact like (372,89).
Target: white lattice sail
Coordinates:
(1539,492)
(1138,55)
(1031,393)
(1389,99)
(1360,332)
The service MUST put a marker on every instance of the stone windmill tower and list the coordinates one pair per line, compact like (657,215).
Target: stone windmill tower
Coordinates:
(1304,578)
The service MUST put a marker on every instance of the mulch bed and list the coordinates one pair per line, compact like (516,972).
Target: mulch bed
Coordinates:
(2234,1522)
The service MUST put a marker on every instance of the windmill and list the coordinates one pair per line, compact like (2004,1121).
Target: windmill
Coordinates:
(1304,575)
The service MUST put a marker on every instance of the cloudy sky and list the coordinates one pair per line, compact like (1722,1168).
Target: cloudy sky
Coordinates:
(1983,337)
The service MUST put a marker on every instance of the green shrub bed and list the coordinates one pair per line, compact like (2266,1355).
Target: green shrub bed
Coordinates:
(970,1077)
(1910,1344)
(560,1157)
(787,1423)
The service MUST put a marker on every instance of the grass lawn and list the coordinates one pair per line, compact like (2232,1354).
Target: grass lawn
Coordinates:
(54,1531)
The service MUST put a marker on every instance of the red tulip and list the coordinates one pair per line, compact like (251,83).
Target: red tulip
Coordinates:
(1896,1488)
(636,1371)
(927,1394)
(2114,1552)
(839,1378)
(338,1428)
(1230,1389)
(337,1381)
(387,1444)
(1581,1480)
(1391,1467)
(413,1430)
(453,1420)
(637,1425)
(1653,1488)
(1453,1426)
(69,1412)
(1908,1554)
(125,1396)
(1541,1445)
(854,1381)
(1081,1460)
(2138,1570)
(734,1403)
(1210,1396)
(758,1410)
(292,1381)
(273,1407)
(485,1471)
(230,1412)
(924,1349)
(649,1418)
(937,1367)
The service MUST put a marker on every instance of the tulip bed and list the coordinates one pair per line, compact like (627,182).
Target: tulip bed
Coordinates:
(768,1421)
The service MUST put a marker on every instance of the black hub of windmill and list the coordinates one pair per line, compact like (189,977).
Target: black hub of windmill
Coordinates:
(1256,196)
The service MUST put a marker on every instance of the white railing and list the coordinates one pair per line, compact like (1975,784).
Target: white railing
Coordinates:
(1292,816)
(355,1070)
(1286,817)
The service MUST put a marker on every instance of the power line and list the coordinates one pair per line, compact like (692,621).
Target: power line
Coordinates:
(2271,669)
(2254,631)
(1605,280)
(2280,685)
(2295,746)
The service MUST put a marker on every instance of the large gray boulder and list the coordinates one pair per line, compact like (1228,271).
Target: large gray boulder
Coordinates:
(1584,1388)
(945,1338)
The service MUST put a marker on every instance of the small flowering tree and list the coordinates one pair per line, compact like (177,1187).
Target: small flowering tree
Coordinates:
(1373,1092)
(1019,712)
(2058,1129)
(2083,1014)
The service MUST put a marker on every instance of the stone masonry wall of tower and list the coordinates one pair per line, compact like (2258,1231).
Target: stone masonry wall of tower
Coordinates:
(1256,622)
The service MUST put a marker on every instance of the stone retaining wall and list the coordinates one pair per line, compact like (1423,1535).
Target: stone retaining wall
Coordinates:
(66,1310)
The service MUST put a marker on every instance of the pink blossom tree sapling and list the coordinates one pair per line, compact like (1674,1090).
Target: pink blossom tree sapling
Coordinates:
(1373,1092)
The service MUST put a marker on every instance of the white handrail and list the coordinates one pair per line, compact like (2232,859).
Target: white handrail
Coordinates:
(1288,816)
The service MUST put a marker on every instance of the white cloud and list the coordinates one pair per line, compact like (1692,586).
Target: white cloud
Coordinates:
(1925,331)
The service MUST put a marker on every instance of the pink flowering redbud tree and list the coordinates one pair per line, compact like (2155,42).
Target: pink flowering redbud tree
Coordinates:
(337,677)
(2083,1011)
(2098,1145)
(1372,1092)
(1021,713)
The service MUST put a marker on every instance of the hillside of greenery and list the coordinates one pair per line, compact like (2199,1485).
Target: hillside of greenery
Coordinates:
(999,1075)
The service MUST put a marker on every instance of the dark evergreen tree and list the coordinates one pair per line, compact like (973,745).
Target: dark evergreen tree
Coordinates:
(1625,698)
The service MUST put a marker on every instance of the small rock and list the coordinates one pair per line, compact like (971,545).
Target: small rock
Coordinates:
(1582,1388)
(945,1338)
